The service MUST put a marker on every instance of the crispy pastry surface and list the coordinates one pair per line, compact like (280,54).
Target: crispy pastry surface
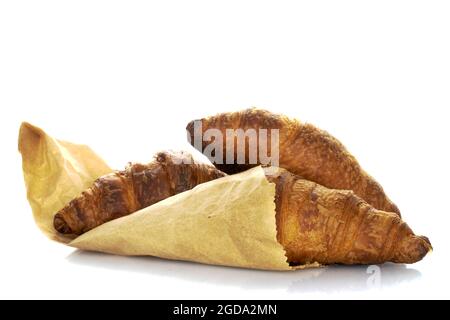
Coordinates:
(317,224)
(303,150)
(138,186)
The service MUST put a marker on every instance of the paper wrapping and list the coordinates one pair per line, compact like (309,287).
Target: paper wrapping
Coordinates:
(228,221)
(55,172)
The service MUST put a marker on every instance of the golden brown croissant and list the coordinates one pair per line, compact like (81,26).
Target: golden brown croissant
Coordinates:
(317,224)
(303,150)
(138,186)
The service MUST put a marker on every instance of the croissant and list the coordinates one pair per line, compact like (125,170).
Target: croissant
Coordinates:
(138,186)
(317,224)
(303,150)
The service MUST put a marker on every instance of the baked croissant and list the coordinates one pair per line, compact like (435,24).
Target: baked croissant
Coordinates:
(303,150)
(138,186)
(317,224)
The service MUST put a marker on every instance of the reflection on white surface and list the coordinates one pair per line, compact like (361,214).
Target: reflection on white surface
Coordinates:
(328,279)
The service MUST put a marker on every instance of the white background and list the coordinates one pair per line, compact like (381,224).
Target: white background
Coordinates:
(125,77)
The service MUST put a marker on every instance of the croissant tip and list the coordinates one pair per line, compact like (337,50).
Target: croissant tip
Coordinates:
(427,243)
(425,247)
(61,225)
(413,249)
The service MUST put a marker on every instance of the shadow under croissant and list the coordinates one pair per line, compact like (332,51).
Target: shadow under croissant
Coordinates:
(326,279)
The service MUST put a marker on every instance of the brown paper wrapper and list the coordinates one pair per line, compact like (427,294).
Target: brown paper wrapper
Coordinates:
(229,221)
(55,172)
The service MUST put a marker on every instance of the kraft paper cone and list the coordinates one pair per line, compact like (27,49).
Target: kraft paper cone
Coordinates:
(55,172)
(229,221)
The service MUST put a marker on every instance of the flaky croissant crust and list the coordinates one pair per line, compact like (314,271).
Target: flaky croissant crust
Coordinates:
(317,224)
(138,186)
(303,150)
